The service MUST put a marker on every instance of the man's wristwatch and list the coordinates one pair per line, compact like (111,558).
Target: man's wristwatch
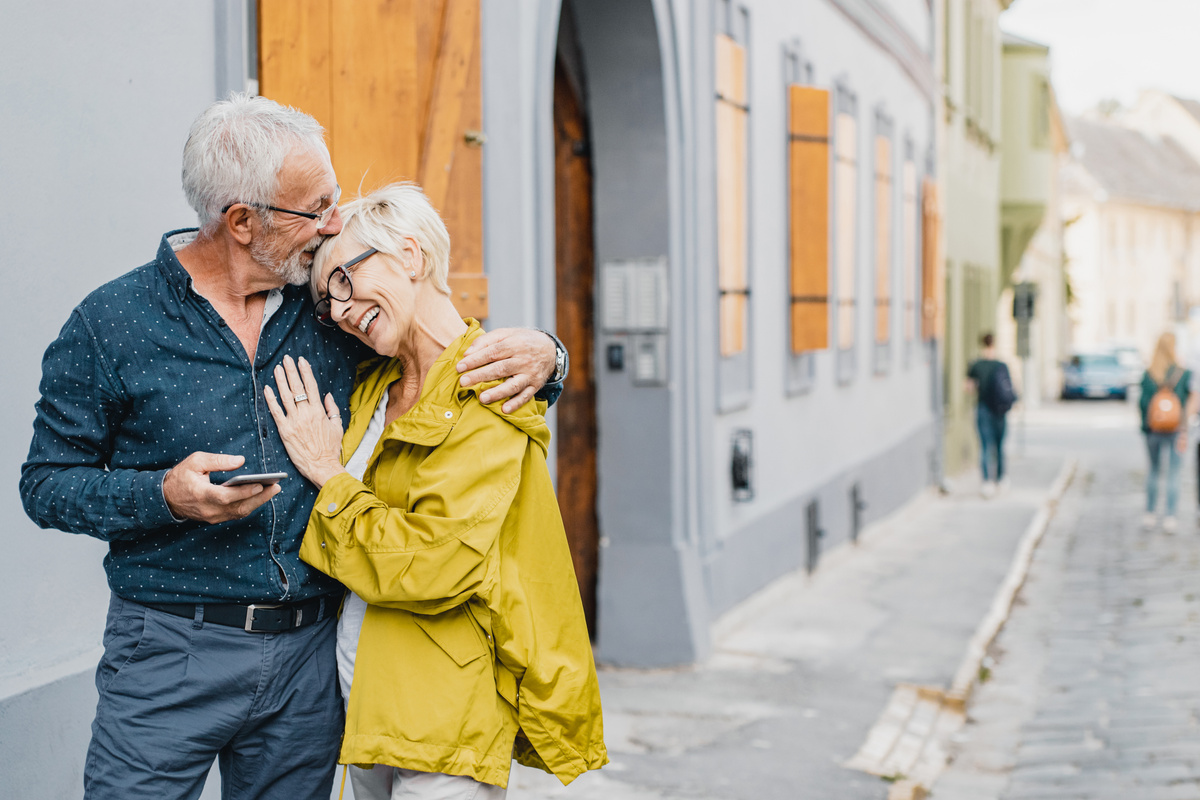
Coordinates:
(560,362)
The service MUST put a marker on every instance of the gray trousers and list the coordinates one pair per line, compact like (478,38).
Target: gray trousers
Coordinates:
(176,693)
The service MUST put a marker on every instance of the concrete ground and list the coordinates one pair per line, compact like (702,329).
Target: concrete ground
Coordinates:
(802,670)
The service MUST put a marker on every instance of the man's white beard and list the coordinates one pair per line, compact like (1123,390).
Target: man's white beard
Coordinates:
(292,270)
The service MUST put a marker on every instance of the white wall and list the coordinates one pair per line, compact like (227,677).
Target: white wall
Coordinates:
(97,101)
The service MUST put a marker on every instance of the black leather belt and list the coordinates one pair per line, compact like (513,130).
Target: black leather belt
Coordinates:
(257,617)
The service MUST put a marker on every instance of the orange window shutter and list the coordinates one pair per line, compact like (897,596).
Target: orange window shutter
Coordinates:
(396,83)
(883,238)
(731,123)
(808,179)
(932,313)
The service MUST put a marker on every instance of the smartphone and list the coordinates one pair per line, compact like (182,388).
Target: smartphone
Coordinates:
(265,478)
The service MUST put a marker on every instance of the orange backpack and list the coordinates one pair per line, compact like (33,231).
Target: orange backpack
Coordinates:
(1165,412)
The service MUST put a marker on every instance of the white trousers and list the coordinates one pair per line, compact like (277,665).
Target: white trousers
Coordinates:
(382,782)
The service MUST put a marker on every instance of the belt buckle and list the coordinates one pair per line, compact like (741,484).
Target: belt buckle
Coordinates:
(250,609)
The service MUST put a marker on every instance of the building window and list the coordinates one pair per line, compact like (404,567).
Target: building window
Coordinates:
(932,320)
(732,115)
(1041,112)
(845,229)
(908,237)
(808,223)
(883,241)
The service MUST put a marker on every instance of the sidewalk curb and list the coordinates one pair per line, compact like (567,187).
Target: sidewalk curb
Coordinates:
(908,744)
(966,678)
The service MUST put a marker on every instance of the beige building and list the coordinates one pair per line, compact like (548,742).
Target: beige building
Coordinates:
(1034,144)
(1132,191)
(969,165)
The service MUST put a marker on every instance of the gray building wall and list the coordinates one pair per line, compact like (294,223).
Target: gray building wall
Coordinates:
(97,107)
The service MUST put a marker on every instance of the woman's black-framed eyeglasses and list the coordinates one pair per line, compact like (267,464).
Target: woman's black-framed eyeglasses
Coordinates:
(338,287)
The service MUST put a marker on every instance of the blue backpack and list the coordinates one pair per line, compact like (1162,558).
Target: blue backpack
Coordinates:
(998,395)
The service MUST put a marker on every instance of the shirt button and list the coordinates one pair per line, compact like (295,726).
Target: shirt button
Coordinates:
(449,415)
(322,545)
(275,547)
(332,508)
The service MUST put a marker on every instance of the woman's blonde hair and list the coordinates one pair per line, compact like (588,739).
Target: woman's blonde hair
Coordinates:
(384,219)
(1164,357)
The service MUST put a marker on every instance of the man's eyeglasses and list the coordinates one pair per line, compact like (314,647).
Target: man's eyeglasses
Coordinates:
(338,287)
(322,217)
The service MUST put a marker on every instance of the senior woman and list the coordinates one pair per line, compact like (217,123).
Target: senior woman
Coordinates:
(462,643)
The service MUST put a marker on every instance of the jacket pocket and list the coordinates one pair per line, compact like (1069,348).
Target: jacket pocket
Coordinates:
(456,633)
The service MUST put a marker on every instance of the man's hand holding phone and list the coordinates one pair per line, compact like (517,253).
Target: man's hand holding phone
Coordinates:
(191,494)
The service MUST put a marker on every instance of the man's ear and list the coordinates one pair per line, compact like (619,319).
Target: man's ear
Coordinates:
(239,223)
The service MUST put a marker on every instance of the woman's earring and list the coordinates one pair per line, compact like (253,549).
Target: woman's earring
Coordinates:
(412,274)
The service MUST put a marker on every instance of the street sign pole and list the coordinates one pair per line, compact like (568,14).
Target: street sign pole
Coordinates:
(1024,298)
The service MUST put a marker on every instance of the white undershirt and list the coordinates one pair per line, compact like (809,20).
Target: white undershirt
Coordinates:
(355,608)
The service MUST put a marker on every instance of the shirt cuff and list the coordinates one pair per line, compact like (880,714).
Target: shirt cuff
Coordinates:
(151,501)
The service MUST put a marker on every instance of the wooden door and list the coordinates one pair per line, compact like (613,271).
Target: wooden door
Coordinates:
(575,281)
(396,84)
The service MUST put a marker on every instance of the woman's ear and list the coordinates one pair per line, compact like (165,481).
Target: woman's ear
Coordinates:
(415,259)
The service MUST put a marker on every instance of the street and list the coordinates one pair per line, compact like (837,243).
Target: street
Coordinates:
(1093,691)
(1089,693)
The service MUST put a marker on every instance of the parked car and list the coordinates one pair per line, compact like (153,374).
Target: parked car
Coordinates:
(1131,361)
(1098,375)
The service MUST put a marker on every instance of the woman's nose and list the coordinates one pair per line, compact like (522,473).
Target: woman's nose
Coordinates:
(339,309)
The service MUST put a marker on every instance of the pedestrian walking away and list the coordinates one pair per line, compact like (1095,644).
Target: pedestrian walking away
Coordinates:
(1167,402)
(220,641)
(991,382)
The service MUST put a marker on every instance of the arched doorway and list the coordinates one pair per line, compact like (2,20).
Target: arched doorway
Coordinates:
(620,470)
(575,280)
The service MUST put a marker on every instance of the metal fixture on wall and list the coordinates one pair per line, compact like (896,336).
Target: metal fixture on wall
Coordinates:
(857,507)
(812,535)
(741,464)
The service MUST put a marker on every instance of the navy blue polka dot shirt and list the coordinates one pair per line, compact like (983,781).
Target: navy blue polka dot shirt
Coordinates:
(144,373)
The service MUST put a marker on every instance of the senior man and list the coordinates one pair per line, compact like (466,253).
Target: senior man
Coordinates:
(219,642)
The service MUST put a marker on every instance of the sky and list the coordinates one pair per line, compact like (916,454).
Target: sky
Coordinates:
(1111,49)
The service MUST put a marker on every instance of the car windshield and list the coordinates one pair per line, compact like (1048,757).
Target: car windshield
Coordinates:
(1095,361)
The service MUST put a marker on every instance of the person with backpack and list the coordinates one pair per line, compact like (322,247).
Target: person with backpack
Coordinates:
(992,383)
(1167,402)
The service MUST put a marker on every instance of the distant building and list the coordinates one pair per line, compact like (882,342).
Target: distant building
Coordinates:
(1132,191)
(969,165)
(1033,145)
(725,208)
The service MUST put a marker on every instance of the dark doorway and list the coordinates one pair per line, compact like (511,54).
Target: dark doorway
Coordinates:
(574,251)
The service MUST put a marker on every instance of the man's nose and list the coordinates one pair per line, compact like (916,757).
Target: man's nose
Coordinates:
(334,226)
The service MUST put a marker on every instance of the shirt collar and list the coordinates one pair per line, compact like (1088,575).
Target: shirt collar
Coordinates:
(168,263)
(181,280)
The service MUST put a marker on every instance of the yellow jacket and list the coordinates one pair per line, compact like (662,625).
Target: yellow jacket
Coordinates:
(474,648)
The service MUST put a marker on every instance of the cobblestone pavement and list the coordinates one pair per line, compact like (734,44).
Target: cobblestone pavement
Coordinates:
(1095,686)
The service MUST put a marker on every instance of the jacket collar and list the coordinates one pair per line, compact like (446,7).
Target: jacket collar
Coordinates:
(439,407)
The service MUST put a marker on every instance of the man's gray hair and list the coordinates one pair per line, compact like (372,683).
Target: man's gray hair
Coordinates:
(236,148)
